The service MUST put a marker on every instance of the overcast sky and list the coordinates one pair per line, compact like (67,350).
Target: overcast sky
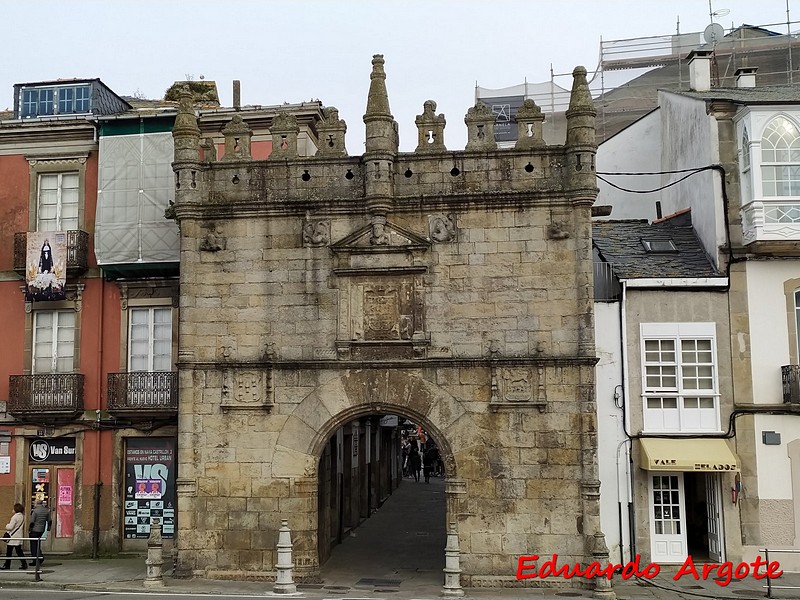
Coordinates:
(293,50)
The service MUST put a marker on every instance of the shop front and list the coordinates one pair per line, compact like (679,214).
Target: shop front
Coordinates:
(687,512)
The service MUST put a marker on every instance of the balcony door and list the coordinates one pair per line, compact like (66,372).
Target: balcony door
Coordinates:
(149,356)
(58,202)
(150,339)
(53,353)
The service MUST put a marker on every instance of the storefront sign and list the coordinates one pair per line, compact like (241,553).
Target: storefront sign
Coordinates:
(149,486)
(53,450)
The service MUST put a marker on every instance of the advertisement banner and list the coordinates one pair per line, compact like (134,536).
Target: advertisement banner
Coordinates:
(505,111)
(149,486)
(46,265)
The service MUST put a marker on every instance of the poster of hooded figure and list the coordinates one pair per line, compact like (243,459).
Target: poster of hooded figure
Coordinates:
(46,260)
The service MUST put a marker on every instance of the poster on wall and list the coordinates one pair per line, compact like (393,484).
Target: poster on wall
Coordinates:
(46,265)
(149,486)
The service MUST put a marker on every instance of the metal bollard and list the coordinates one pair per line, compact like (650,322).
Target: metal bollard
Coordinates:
(452,565)
(155,557)
(284,583)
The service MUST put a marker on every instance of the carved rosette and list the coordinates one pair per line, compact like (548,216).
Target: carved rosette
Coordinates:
(442,228)
(316,233)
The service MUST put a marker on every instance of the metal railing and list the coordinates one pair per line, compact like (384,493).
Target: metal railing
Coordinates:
(143,391)
(770,585)
(37,560)
(46,394)
(77,252)
(790,380)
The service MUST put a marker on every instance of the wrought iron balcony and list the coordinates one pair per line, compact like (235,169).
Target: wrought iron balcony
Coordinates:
(47,396)
(790,377)
(143,393)
(77,252)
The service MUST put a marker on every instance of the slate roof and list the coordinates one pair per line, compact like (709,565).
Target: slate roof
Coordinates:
(620,243)
(777,94)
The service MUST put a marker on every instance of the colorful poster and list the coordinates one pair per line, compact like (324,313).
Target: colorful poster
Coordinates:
(65,511)
(149,486)
(46,265)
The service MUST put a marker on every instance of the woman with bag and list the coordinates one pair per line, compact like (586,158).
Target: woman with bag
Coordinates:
(13,537)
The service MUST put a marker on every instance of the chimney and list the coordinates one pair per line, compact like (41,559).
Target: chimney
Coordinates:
(700,70)
(237,94)
(746,77)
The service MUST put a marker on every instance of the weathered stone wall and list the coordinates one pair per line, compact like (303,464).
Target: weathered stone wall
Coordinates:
(452,288)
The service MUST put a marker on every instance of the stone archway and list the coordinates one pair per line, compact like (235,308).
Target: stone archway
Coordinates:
(357,394)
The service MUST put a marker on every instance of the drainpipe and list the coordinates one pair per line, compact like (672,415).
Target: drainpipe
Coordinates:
(627,416)
(98,482)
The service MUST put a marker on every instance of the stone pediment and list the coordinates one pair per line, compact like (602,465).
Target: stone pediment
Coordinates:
(381,238)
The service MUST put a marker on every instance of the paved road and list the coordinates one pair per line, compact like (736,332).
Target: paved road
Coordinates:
(399,548)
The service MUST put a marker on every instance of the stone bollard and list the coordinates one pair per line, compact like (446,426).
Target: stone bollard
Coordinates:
(452,568)
(155,557)
(602,589)
(284,583)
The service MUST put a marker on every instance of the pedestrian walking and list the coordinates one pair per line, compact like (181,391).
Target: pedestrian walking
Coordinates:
(405,447)
(14,539)
(414,460)
(40,520)
(431,459)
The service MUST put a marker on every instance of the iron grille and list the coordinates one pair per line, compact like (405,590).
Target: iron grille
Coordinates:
(790,377)
(143,391)
(606,286)
(45,393)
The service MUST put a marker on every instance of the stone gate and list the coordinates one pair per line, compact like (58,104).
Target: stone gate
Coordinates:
(452,286)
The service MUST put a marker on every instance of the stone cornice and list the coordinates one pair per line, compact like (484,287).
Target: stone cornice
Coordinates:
(402,204)
(420,363)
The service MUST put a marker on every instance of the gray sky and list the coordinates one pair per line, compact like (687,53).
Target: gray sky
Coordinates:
(292,50)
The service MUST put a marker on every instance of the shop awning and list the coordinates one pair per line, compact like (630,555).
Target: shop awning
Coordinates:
(689,454)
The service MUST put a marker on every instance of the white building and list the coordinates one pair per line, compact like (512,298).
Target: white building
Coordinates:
(732,156)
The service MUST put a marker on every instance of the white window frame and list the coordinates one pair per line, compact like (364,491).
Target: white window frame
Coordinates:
(678,417)
(54,355)
(779,207)
(151,310)
(59,225)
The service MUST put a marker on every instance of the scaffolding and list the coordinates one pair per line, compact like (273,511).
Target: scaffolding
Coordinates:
(630,72)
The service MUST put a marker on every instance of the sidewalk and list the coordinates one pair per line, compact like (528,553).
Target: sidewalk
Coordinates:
(128,574)
(397,553)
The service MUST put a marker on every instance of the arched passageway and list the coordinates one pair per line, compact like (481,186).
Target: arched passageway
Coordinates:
(382,505)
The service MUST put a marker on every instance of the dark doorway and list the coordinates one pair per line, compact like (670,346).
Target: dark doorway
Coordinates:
(377,528)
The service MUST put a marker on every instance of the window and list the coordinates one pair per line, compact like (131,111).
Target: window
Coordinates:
(60,100)
(679,377)
(745,151)
(58,202)
(150,339)
(53,341)
(780,157)
(659,246)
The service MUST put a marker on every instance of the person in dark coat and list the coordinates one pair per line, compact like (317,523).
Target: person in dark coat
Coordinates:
(40,520)
(414,460)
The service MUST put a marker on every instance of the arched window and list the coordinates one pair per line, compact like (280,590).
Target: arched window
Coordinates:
(745,151)
(780,159)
